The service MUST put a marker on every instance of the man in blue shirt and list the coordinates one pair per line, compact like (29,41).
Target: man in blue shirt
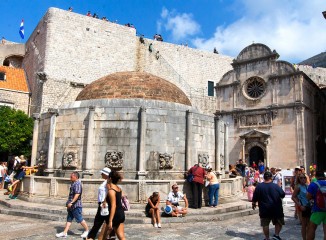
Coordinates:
(269,197)
(74,206)
(318,216)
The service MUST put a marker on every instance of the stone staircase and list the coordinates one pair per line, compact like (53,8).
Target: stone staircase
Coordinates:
(136,215)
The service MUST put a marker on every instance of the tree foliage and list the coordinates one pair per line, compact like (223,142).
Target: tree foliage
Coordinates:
(16,131)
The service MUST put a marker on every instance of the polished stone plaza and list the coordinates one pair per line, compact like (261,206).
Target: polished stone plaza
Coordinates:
(239,228)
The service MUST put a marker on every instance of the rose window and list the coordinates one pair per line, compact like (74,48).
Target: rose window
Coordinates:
(254,88)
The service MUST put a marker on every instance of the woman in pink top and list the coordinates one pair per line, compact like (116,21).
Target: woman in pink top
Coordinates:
(250,191)
(197,185)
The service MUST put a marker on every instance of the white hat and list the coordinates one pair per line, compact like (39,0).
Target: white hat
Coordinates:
(106,171)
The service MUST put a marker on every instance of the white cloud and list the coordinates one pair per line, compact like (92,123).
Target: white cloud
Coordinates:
(181,25)
(295,29)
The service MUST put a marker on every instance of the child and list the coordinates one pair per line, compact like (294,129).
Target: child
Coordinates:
(250,190)
(153,210)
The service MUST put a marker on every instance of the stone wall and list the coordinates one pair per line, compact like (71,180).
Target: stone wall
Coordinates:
(83,49)
(9,49)
(19,100)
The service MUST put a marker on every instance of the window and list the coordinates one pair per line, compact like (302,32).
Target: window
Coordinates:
(211,88)
(2,76)
(254,88)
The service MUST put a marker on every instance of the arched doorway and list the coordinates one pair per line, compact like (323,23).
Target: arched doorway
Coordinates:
(256,153)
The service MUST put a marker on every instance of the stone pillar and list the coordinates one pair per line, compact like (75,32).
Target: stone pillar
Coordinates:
(142,144)
(226,149)
(90,140)
(301,155)
(50,166)
(267,164)
(217,148)
(189,138)
(243,143)
(36,117)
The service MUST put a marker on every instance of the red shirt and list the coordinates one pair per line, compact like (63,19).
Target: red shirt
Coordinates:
(199,174)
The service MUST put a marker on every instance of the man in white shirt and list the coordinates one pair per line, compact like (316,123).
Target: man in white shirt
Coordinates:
(173,200)
(277,178)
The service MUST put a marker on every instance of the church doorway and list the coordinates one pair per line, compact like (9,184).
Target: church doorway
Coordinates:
(256,153)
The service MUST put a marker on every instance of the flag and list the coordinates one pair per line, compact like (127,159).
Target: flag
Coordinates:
(21,29)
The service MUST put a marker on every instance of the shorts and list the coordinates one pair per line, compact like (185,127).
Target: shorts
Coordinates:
(75,213)
(318,218)
(264,222)
(1,179)
(20,176)
(307,212)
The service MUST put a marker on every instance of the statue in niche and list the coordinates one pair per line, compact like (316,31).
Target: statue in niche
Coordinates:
(114,160)
(166,161)
(203,158)
(69,160)
(243,120)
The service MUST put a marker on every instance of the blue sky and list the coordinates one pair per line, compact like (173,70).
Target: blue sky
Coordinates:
(296,29)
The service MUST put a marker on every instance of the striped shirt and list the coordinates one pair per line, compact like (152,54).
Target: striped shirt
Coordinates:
(75,188)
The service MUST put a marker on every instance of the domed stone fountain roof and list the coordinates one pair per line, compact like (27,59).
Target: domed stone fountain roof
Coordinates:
(128,85)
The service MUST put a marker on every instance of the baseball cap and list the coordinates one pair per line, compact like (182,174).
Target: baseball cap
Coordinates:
(106,171)
(297,167)
(168,209)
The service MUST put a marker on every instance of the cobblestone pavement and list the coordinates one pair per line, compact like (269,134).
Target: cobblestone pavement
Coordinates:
(240,228)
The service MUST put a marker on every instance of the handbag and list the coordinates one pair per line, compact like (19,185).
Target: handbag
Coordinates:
(105,210)
(206,183)
(190,177)
(125,203)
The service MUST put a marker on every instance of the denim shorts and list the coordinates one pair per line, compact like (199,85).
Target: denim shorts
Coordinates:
(75,213)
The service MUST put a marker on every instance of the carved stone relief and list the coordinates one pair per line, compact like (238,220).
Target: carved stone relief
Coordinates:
(69,159)
(114,159)
(255,120)
(203,159)
(222,161)
(42,158)
(166,161)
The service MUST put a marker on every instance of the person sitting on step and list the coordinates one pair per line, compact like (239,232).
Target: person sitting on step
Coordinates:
(173,200)
(153,209)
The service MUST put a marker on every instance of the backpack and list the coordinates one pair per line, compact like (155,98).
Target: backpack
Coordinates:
(321,197)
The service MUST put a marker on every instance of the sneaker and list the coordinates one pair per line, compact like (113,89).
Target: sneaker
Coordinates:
(155,225)
(61,235)
(159,225)
(84,235)
(276,237)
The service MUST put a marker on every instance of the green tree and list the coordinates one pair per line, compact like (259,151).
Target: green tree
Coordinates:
(16,132)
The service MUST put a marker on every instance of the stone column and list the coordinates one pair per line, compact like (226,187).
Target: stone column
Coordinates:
(226,149)
(189,138)
(50,167)
(267,153)
(36,117)
(142,144)
(90,140)
(243,143)
(301,155)
(217,148)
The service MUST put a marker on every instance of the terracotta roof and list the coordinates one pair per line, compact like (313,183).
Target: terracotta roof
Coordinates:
(15,79)
(127,85)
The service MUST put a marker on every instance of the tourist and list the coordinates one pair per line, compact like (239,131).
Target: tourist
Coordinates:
(213,186)
(277,178)
(197,185)
(254,165)
(300,199)
(313,176)
(70,9)
(241,166)
(17,179)
(74,206)
(269,197)
(261,166)
(318,215)
(153,209)
(2,174)
(215,51)
(88,14)
(173,200)
(303,171)
(116,218)
(250,189)
(294,181)
(102,206)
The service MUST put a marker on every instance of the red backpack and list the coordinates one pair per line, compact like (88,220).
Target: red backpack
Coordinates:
(321,197)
